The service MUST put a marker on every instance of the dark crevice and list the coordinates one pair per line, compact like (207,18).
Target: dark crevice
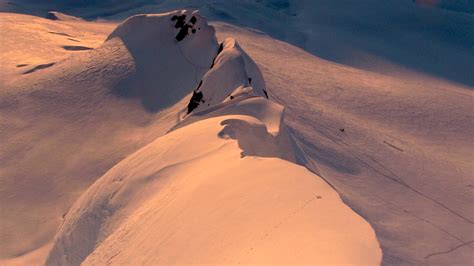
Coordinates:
(221,47)
(38,67)
(76,48)
(450,250)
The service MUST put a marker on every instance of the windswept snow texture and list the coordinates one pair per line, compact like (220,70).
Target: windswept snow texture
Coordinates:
(189,197)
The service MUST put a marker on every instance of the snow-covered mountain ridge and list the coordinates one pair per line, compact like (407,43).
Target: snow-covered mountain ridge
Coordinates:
(245,133)
(397,146)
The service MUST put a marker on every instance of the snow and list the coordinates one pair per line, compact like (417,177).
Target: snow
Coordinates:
(64,126)
(55,15)
(403,160)
(379,104)
(170,203)
(233,74)
(126,199)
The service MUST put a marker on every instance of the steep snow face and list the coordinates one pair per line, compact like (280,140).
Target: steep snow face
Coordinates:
(171,51)
(233,74)
(196,195)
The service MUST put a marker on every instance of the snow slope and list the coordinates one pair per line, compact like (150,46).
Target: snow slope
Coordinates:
(404,159)
(393,37)
(160,196)
(67,116)
(82,98)
(190,197)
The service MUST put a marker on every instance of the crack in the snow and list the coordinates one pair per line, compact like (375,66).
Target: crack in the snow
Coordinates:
(191,63)
(449,250)
(390,175)
(434,225)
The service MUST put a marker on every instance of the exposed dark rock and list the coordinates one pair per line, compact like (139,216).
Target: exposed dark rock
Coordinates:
(195,101)
(180,21)
(221,47)
(183,26)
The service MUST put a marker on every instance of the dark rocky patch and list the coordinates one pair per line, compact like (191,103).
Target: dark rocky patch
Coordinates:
(221,47)
(183,26)
(266,94)
(199,85)
(180,21)
(195,101)
(183,32)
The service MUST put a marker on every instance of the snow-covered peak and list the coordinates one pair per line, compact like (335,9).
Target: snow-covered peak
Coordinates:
(186,29)
(171,53)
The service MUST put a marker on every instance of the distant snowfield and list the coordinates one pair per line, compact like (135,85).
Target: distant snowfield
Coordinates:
(397,148)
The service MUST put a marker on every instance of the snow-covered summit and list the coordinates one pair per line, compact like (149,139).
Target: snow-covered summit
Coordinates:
(171,52)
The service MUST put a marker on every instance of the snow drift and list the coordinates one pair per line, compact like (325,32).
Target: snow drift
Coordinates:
(221,187)
(55,15)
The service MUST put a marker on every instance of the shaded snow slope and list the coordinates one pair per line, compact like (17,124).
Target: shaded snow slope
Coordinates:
(399,151)
(67,116)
